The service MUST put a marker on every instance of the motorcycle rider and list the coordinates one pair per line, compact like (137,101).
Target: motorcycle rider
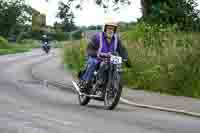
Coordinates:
(45,41)
(102,45)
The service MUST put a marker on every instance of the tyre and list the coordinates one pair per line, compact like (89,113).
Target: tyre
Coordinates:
(113,91)
(83,100)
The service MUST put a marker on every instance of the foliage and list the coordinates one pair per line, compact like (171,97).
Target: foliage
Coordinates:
(13,13)
(61,36)
(11,51)
(36,34)
(23,46)
(3,43)
(92,27)
(147,34)
(23,35)
(66,15)
(105,4)
(180,12)
(77,35)
(28,43)
(74,55)
(163,61)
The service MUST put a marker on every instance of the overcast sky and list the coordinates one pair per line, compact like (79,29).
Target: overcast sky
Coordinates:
(91,14)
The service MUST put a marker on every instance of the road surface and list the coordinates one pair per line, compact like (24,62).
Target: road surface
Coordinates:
(29,106)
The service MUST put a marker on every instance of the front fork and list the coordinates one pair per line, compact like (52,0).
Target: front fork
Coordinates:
(109,79)
(114,78)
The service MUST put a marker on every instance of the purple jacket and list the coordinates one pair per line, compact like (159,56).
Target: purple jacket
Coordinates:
(95,47)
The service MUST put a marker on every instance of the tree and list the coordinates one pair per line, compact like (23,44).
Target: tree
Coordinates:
(106,4)
(92,27)
(180,12)
(58,27)
(13,14)
(67,16)
(146,7)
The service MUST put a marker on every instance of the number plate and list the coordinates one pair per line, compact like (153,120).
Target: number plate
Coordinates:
(116,60)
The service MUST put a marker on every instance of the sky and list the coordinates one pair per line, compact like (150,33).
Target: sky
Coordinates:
(91,14)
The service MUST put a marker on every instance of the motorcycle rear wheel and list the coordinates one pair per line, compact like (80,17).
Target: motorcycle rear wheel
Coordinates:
(83,100)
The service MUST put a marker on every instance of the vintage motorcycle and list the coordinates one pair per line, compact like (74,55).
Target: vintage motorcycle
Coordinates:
(46,47)
(106,83)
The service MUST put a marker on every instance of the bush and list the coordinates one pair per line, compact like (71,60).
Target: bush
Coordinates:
(174,70)
(148,35)
(4,43)
(77,35)
(61,36)
(56,44)
(27,43)
(164,60)
(10,48)
(36,35)
(22,36)
(74,55)
(12,51)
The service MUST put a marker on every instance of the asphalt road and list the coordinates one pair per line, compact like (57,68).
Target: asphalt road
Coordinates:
(28,106)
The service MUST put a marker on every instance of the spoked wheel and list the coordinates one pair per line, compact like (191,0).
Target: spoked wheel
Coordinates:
(112,94)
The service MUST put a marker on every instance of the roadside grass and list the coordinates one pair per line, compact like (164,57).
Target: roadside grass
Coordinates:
(12,48)
(74,55)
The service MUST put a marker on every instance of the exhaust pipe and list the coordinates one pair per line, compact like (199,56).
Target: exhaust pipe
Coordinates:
(76,87)
(82,94)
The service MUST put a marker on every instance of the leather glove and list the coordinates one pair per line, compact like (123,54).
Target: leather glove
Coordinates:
(128,63)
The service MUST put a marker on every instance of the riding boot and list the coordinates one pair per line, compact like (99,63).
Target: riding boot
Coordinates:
(85,86)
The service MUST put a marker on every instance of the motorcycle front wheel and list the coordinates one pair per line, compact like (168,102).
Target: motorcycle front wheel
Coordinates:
(113,93)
